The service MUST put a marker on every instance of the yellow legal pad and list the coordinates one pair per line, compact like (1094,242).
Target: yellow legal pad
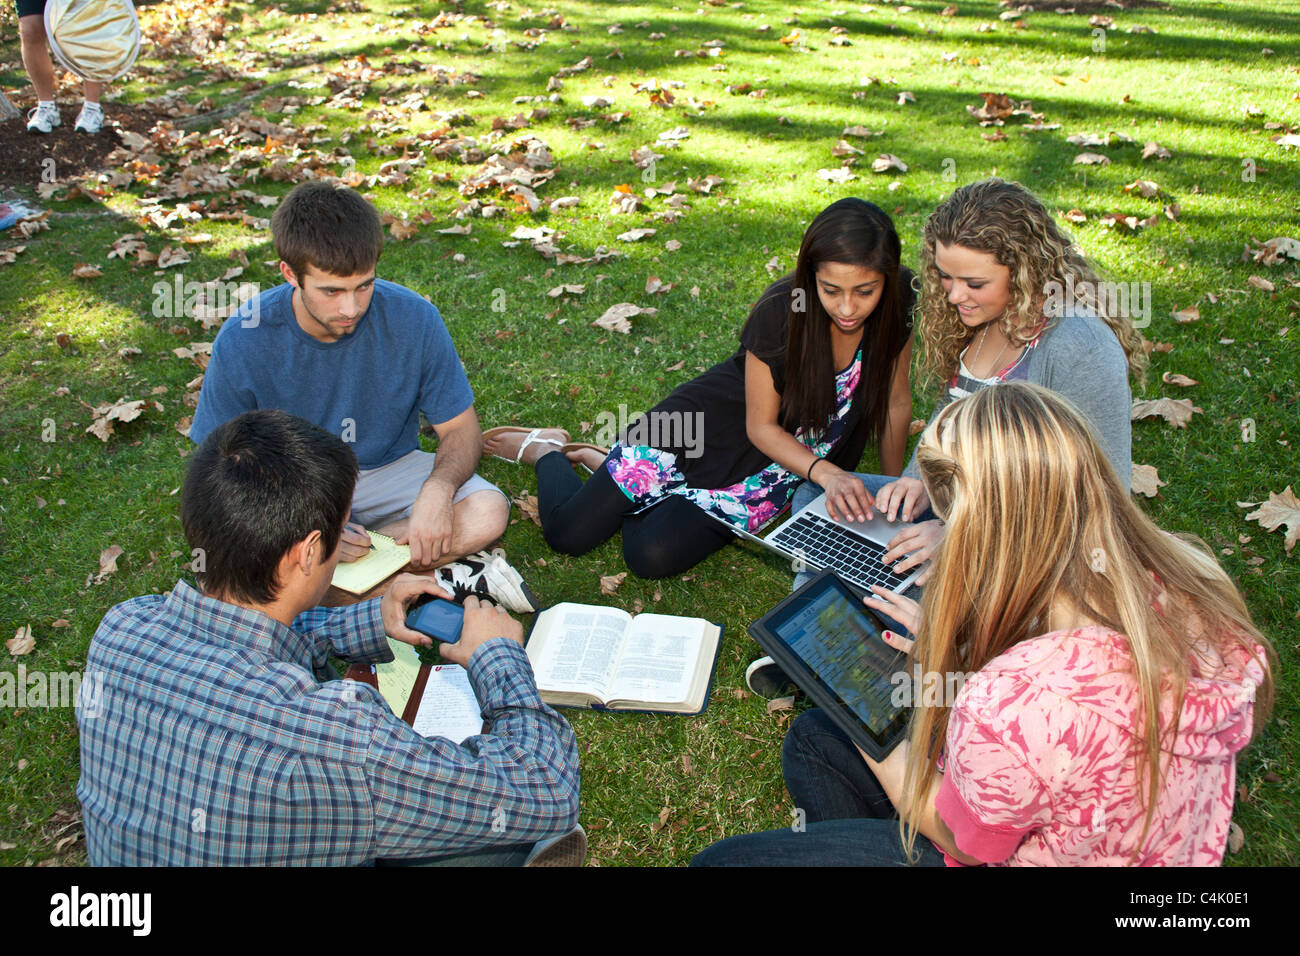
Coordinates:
(386,557)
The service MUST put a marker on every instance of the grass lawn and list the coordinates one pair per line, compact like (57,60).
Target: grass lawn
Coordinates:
(765,90)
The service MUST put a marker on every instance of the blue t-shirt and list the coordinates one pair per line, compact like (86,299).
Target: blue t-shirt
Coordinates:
(368,387)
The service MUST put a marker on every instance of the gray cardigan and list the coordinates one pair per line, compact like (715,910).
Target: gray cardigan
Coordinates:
(1079,358)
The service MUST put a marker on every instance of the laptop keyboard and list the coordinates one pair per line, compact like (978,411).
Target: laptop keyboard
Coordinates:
(827,545)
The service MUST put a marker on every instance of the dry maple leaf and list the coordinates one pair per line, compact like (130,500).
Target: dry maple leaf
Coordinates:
(609,582)
(105,415)
(780,703)
(22,642)
(172,256)
(1146,480)
(616,317)
(1152,148)
(1144,187)
(1092,159)
(887,161)
(528,507)
(655,286)
(1280,509)
(1259,282)
(567,289)
(635,235)
(1173,378)
(1272,251)
(84,270)
(1189,314)
(841,174)
(108,562)
(862,131)
(1176,411)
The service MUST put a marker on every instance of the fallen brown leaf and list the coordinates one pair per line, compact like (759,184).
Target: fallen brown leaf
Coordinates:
(1280,509)
(616,317)
(1173,378)
(527,505)
(22,642)
(1146,480)
(567,289)
(1190,314)
(84,270)
(609,583)
(108,561)
(1176,411)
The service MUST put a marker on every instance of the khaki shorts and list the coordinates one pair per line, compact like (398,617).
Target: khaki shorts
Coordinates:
(387,493)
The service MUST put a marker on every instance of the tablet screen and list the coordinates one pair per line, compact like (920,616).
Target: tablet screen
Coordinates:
(839,640)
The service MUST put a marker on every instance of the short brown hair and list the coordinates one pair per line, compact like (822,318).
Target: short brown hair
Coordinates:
(329,227)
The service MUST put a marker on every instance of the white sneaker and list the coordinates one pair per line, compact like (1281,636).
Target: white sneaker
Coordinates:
(90,119)
(488,575)
(43,119)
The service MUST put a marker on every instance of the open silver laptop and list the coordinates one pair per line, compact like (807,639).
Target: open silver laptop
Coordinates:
(812,540)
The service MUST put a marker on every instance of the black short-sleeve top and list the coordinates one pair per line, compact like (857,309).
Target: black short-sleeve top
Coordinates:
(718,395)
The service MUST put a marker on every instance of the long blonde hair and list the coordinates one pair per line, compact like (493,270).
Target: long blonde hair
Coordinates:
(1007,221)
(1035,513)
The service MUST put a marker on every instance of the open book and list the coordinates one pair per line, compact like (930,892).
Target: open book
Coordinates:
(602,657)
(386,558)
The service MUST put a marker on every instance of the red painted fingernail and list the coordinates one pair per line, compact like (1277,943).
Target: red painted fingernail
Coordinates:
(888,634)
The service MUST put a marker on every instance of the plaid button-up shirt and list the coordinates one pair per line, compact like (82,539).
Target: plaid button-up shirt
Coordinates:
(206,738)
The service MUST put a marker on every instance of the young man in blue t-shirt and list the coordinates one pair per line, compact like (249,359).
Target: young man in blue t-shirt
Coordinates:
(362,358)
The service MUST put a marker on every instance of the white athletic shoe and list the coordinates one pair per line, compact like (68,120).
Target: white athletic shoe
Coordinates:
(43,119)
(90,119)
(488,575)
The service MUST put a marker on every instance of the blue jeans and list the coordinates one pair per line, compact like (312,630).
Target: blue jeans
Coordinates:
(846,819)
(804,496)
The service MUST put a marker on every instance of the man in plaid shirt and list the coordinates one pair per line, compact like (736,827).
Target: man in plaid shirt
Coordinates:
(216,738)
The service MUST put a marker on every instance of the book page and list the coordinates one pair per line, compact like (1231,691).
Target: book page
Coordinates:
(449,708)
(579,648)
(386,558)
(397,678)
(659,659)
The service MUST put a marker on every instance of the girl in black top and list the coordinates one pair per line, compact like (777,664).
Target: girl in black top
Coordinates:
(822,368)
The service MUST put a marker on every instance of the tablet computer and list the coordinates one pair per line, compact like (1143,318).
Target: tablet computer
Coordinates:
(830,644)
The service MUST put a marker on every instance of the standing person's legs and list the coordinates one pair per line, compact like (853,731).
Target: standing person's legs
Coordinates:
(36,52)
(672,537)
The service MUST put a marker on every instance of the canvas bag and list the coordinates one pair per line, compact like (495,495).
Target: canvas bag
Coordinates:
(98,40)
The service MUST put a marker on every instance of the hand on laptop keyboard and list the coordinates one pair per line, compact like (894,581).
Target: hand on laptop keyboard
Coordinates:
(915,545)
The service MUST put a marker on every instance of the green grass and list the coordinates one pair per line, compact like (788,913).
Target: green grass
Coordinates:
(658,789)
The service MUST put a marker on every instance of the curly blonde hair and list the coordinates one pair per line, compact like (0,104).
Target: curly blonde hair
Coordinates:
(1007,221)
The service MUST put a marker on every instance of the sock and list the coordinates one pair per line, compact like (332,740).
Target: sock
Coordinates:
(46,103)
(93,106)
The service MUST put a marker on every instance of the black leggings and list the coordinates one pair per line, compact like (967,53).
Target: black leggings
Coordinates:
(670,538)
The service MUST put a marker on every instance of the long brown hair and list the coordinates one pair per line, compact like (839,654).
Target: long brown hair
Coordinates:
(1008,222)
(1014,466)
(855,232)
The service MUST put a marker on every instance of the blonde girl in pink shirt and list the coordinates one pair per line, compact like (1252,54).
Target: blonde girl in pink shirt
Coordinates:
(1113,673)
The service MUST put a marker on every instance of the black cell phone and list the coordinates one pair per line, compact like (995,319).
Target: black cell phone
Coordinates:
(438,618)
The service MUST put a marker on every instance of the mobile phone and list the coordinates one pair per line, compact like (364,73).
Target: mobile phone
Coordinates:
(439,619)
